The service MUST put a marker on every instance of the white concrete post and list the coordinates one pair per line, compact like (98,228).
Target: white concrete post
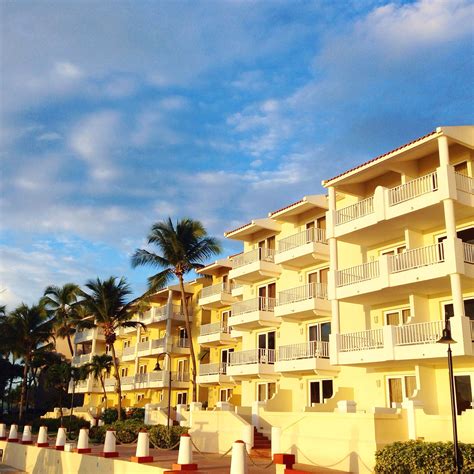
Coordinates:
(247,436)
(110,450)
(142,454)
(185,455)
(26,437)
(42,441)
(238,463)
(3,431)
(13,434)
(83,441)
(333,263)
(60,439)
(276,440)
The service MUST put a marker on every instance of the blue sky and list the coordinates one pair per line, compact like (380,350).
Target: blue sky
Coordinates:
(115,115)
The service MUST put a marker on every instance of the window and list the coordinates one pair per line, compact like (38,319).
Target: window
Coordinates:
(394,251)
(320,391)
(182,398)
(124,372)
(448,309)
(266,248)
(318,332)
(142,369)
(225,355)
(160,396)
(400,389)
(225,315)
(265,391)
(182,337)
(461,168)
(126,344)
(144,339)
(318,282)
(397,317)
(267,297)
(225,394)
(463,387)
(182,370)
(140,396)
(266,346)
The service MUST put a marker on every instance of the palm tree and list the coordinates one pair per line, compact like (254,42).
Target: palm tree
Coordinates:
(58,377)
(183,248)
(76,374)
(99,367)
(105,303)
(28,329)
(61,302)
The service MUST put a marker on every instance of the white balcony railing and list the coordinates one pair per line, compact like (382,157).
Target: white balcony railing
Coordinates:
(128,380)
(214,328)
(143,346)
(155,343)
(110,382)
(361,341)
(180,376)
(304,292)
(468,252)
(302,238)
(419,333)
(181,342)
(415,258)
(355,211)
(252,356)
(177,312)
(256,255)
(141,378)
(416,187)
(81,359)
(304,350)
(219,368)
(366,271)
(156,376)
(128,351)
(216,289)
(87,334)
(464,183)
(260,303)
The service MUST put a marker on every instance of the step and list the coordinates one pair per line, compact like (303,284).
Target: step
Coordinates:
(261,453)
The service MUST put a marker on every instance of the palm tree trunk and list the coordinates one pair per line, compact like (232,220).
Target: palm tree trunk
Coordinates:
(72,402)
(105,392)
(188,332)
(23,391)
(119,386)
(71,349)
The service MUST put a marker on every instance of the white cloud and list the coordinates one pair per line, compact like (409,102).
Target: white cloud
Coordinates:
(49,137)
(67,70)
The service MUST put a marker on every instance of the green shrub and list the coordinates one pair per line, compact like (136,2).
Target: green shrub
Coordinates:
(418,457)
(163,438)
(97,434)
(136,414)
(110,415)
(54,423)
(127,431)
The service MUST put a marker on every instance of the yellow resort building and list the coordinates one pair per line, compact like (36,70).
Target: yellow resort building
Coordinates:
(322,334)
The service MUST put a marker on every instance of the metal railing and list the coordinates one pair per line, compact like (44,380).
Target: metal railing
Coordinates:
(412,189)
(216,289)
(82,359)
(260,303)
(141,378)
(349,276)
(177,312)
(304,292)
(155,343)
(307,236)
(415,258)
(252,356)
(181,342)
(419,333)
(464,183)
(468,252)
(87,334)
(219,368)
(180,376)
(214,328)
(128,380)
(361,341)
(304,350)
(256,255)
(355,211)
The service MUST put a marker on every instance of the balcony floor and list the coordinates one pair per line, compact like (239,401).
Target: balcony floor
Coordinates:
(215,340)
(254,320)
(251,371)
(307,365)
(303,310)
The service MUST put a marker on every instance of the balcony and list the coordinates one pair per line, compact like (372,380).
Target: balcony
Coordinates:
(85,386)
(303,249)
(81,359)
(253,313)
(215,334)
(216,296)
(305,357)
(395,343)
(162,313)
(214,374)
(160,379)
(420,269)
(89,335)
(151,348)
(303,302)
(180,345)
(420,198)
(237,289)
(128,353)
(253,266)
(251,364)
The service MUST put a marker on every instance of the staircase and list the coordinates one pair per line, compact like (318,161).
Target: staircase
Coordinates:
(262,446)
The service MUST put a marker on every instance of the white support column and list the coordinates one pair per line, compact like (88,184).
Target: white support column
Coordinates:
(333,263)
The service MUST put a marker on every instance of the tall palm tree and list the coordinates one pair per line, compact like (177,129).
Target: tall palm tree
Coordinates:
(61,301)
(28,330)
(99,367)
(58,376)
(106,304)
(183,247)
